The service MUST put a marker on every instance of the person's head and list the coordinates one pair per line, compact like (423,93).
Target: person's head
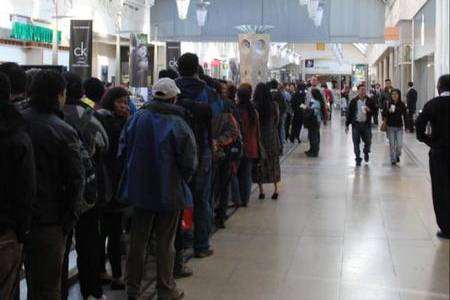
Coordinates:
(378,86)
(30,75)
(5,88)
(314,81)
(117,101)
(301,87)
(273,84)
(231,91)
(292,88)
(396,95)
(165,90)
(316,94)
(387,84)
(48,92)
(188,64)
(244,93)
(94,89)
(324,85)
(74,87)
(362,91)
(410,84)
(17,78)
(168,73)
(444,84)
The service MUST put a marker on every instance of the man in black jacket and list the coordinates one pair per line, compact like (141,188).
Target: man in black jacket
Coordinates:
(17,189)
(436,112)
(60,178)
(18,80)
(411,101)
(359,115)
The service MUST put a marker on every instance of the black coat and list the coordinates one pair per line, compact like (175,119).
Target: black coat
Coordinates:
(17,172)
(411,100)
(59,169)
(351,112)
(395,119)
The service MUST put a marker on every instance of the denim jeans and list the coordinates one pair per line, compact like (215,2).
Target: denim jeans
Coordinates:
(361,131)
(221,185)
(395,136)
(234,188)
(203,206)
(245,179)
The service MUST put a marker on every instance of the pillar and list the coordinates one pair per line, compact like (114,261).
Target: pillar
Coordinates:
(385,69)
(391,67)
(442,47)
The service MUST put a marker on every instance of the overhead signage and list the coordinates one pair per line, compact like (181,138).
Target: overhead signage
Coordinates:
(80,57)
(173,52)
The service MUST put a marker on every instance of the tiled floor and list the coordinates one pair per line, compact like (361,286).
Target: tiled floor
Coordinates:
(337,232)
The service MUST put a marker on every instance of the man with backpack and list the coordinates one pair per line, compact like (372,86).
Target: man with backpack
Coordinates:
(200,101)
(94,146)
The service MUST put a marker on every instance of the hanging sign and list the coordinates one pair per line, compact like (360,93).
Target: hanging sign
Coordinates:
(173,52)
(80,58)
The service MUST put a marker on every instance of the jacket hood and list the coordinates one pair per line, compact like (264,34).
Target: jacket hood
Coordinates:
(190,87)
(165,108)
(10,119)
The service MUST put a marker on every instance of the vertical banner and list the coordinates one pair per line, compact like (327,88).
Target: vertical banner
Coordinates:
(80,57)
(173,52)
(151,63)
(139,68)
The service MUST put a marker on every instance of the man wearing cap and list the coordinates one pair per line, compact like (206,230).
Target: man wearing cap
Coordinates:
(160,158)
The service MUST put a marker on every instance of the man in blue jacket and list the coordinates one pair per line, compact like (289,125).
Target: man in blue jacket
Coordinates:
(160,157)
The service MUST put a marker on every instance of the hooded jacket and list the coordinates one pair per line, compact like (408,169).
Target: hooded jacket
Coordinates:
(160,156)
(17,172)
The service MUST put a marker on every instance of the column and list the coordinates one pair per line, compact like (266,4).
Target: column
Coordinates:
(391,67)
(385,69)
(442,47)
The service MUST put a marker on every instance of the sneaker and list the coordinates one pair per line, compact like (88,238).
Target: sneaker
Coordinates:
(182,272)
(358,162)
(442,235)
(102,297)
(220,223)
(312,154)
(393,163)
(398,159)
(203,253)
(176,294)
(366,157)
(117,285)
(275,196)
(262,196)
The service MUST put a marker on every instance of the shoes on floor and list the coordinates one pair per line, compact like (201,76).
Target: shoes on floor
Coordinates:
(312,154)
(220,223)
(176,294)
(275,196)
(182,272)
(203,253)
(102,297)
(443,235)
(366,157)
(398,159)
(358,162)
(117,285)
(262,196)
(105,278)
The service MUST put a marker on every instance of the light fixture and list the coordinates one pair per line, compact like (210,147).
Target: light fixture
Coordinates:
(318,17)
(303,2)
(183,8)
(312,8)
(202,13)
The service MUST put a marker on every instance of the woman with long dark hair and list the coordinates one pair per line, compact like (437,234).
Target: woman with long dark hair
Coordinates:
(394,113)
(268,168)
(249,122)
(113,115)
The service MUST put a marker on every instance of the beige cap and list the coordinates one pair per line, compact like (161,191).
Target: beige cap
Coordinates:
(165,88)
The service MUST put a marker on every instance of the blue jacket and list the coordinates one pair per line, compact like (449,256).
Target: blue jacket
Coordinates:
(160,157)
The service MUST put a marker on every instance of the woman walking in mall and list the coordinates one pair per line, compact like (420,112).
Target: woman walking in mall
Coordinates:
(267,169)
(394,113)
(113,115)
(249,123)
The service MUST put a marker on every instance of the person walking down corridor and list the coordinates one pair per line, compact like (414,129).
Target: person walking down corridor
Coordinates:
(60,180)
(394,116)
(267,169)
(437,112)
(17,190)
(359,115)
(411,101)
(160,158)
(313,117)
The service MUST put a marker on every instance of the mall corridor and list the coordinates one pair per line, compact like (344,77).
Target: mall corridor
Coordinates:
(337,232)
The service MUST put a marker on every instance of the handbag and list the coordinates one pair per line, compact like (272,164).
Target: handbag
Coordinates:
(383,127)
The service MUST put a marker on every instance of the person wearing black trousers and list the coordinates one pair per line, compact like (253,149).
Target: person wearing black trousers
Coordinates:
(298,99)
(436,112)
(411,101)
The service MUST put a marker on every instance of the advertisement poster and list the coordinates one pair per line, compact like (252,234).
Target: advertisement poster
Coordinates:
(80,58)
(138,60)
(173,52)
(360,74)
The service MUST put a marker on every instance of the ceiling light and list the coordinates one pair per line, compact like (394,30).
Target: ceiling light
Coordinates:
(183,8)
(313,5)
(303,2)
(318,17)
(202,13)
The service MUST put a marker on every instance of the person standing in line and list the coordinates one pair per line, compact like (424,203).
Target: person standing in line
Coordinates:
(328,100)
(385,96)
(60,181)
(160,157)
(268,168)
(17,190)
(287,95)
(394,116)
(198,98)
(113,114)
(277,97)
(18,80)
(411,101)
(359,115)
(315,106)
(87,234)
(298,99)
(437,113)
(375,94)
(94,89)
(251,138)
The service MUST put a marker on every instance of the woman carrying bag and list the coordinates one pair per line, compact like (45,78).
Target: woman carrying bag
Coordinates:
(394,113)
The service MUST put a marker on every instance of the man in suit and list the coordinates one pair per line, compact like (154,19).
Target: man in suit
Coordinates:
(411,101)
(436,112)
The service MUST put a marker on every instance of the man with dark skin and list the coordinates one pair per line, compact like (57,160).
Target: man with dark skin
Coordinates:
(436,112)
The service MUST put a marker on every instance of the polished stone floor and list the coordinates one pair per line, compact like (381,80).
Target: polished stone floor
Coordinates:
(337,232)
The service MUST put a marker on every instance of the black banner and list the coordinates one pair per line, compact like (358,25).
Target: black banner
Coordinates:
(80,58)
(173,52)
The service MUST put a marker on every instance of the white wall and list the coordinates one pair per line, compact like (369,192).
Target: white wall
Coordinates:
(103,55)
(12,53)
(402,10)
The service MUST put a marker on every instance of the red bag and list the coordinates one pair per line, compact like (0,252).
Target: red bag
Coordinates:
(188,219)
